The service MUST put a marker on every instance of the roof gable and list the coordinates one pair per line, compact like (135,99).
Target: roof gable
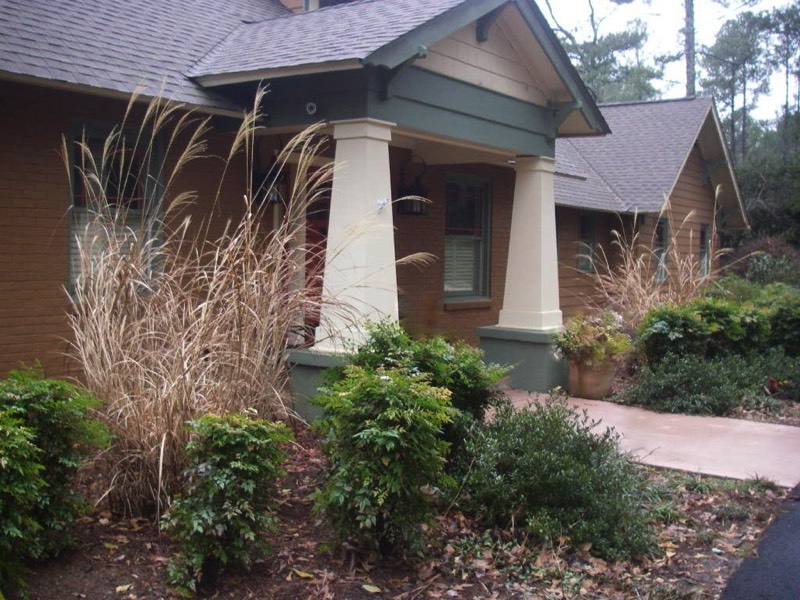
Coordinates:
(647,151)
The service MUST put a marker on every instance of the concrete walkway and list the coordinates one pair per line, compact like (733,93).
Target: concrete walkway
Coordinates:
(710,445)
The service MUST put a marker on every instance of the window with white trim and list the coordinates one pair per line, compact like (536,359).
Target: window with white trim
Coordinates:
(114,180)
(587,242)
(660,245)
(466,241)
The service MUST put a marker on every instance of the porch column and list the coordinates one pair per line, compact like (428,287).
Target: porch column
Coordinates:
(530,315)
(531,294)
(360,280)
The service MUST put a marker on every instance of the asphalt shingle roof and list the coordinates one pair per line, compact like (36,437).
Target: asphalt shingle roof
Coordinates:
(121,45)
(640,160)
(349,31)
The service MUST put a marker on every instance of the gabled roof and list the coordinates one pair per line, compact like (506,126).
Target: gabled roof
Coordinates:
(641,160)
(347,33)
(121,45)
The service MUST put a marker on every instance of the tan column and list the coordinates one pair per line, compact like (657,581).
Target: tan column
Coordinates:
(531,292)
(360,278)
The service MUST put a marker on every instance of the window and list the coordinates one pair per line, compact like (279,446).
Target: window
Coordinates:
(660,243)
(704,253)
(587,242)
(109,179)
(466,242)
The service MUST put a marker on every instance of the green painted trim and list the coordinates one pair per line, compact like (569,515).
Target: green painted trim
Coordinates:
(536,367)
(485,23)
(305,376)
(562,64)
(427,34)
(445,106)
(310,357)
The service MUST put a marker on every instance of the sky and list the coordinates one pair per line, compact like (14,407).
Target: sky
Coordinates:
(664,19)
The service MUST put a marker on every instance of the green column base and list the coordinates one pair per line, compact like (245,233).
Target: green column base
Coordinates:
(536,366)
(305,375)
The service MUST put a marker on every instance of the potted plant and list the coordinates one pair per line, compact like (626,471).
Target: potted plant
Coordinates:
(594,346)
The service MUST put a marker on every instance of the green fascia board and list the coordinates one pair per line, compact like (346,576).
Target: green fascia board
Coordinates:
(408,45)
(562,64)
(435,103)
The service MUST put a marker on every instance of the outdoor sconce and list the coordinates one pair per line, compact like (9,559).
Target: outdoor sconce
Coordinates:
(413,197)
(270,187)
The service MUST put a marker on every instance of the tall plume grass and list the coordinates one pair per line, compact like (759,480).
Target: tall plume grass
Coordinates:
(170,323)
(625,279)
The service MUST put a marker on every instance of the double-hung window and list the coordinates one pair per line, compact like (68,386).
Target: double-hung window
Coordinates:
(114,187)
(466,241)
(587,242)
(660,245)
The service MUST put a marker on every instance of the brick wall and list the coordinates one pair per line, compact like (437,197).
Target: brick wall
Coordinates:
(34,202)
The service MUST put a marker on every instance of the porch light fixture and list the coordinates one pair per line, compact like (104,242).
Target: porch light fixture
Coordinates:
(413,197)
(271,186)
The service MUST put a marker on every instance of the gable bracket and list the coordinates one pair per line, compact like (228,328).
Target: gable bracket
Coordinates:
(709,166)
(485,23)
(388,75)
(561,111)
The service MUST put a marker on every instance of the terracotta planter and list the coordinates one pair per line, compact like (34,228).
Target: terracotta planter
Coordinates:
(591,382)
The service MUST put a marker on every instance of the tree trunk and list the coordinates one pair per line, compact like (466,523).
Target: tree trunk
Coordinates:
(689,48)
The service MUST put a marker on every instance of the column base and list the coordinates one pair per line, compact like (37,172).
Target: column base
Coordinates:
(305,376)
(536,366)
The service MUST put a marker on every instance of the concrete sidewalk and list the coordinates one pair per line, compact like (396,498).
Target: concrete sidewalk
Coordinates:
(710,445)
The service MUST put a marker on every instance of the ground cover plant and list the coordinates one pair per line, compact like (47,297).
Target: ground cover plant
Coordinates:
(703,529)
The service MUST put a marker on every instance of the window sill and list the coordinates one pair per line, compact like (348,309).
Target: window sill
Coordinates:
(453,304)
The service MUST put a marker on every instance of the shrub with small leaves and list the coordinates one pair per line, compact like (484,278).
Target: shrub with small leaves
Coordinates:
(58,416)
(228,502)
(21,486)
(544,471)
(383,438)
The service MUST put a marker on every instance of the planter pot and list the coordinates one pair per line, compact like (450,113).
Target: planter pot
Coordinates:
(591,382)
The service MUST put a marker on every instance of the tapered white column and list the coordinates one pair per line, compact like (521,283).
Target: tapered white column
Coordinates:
(360,279)
(531,292)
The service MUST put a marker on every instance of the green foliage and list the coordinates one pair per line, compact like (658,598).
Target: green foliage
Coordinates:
(386,455)
(57,415)
(21,485)
(785,323)
(545,468)
(227,506)
(706,327)
(684,384)
(593,340)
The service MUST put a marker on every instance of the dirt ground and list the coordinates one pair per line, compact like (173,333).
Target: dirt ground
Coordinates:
(706,526)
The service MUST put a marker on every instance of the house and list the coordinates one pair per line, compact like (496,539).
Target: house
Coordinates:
(670,150)
(465,98)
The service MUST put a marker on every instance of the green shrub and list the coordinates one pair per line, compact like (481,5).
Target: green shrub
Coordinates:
(785,323)
(544,471)
(21,486)
(383,438)
(227,506)
(57,414)
(456,366)
(686,384)
(706,328)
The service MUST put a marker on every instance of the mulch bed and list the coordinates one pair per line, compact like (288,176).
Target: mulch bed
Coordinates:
(706,527)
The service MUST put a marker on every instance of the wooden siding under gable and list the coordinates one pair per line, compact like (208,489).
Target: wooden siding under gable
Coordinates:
(494,64)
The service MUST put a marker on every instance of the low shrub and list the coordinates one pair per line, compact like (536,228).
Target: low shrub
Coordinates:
(383,438)
(21,486)
(706,328)
(227,507)
(545,472)
(784,320)
(58,416)
(593,340)
(767,260)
